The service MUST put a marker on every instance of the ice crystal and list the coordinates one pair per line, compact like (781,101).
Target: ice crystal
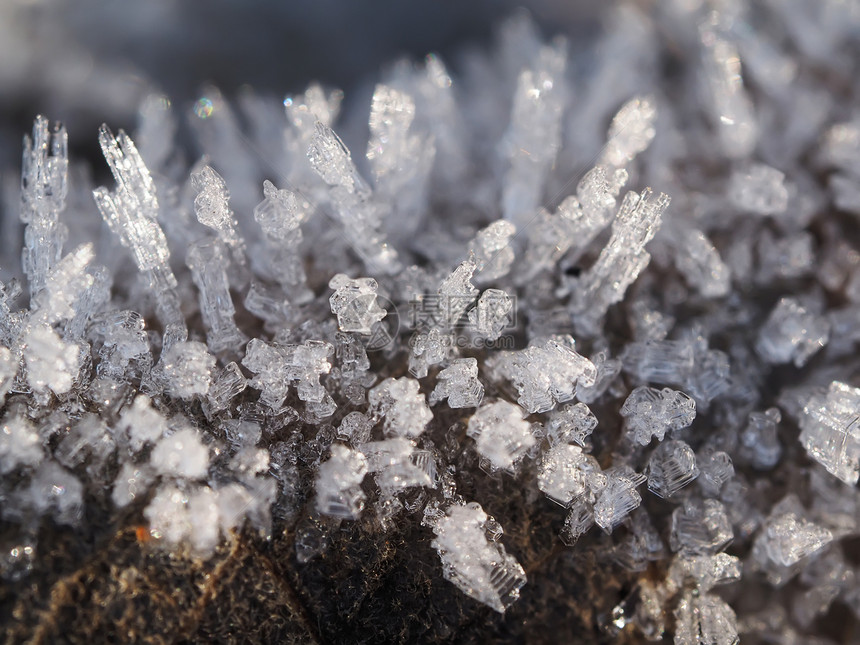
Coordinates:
(403,408)
(459,384)
(540,390)
(338,491)
(501,435)
(480,567)
(354,303)
(651,412)
(830,430)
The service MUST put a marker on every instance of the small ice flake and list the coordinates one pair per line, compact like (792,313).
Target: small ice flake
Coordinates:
(759,189)
(671,467)
(830,430)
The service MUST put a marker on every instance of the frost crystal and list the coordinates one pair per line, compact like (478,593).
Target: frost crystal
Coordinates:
(792,333)
(534,135)
(492,251)
(566,473)
(207,262)
(457,293)
(131,212)
(759,189)
(501,435)
(20,444)
(280,215)
(212,210)
(700,527)
(354,303)
(181,454)
(631,132)
(731,108)
(395,464)
(338,483)
(651,412)
(52,364)
(618,498)
(540,387)
(572,423)
(705,619)
(401,405)
(790,538)
(621,260)
(277,366)
(575,224)
(459,384)
(141,424)
(331,160)
(479,567)
(671,467)
(830,430)
(44,178)
(188,369)
(493,314)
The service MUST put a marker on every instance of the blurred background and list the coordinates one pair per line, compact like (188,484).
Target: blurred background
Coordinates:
(85,62)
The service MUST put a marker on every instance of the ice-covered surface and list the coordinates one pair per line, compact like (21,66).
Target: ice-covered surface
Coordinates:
(343,362)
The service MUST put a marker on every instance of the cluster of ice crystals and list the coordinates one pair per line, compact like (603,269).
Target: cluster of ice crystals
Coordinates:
(459,384)
(52,364)
(540,389)
(492,251)
(730,107)
(705,619)
(737,309)
(480,567)
(396,464)
(20,444)
(212,209)
(280,215)
(700,527)
(354,303)
(501,435)
(181,454)
(572,423)
(786,540)
(650,412)
(131,212)
(351,197)
(188,368)
(830,430)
